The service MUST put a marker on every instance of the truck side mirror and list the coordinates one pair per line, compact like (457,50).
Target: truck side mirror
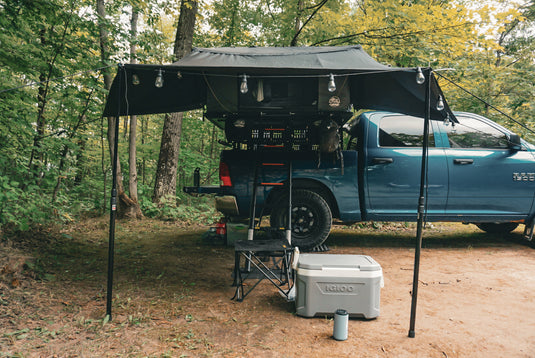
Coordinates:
(514,142)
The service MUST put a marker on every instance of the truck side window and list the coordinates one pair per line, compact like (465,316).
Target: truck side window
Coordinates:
(473,133)
(402,131)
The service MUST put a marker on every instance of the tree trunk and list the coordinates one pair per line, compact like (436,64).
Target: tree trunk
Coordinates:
(36,157)
(126,206)
(144,125)
(134,210)
(80,162)
(166,174)
(300,9)
(165,182)
(298,22)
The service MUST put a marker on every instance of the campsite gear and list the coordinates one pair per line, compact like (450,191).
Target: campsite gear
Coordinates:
(197,177)
(325,282)
(295,80)
(263,259)
(329,141)
(221,227)
(341,318)
(185,89)
(235,232)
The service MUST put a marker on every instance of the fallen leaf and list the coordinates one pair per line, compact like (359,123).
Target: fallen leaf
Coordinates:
(15,283)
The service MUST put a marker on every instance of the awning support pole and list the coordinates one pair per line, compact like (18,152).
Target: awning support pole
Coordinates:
(113,200)
(421,207)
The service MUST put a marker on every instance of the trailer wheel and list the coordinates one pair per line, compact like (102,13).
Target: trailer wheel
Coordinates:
(497,228)
(311,218)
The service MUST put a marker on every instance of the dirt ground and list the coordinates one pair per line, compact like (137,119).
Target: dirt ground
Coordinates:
(172,295)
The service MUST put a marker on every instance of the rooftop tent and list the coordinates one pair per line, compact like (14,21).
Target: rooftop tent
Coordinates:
(186,83)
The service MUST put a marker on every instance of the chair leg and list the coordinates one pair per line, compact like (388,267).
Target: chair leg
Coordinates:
(238,279)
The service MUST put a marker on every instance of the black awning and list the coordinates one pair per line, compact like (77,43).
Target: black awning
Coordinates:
(372,85)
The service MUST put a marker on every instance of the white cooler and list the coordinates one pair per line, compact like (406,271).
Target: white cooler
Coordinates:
(325,283)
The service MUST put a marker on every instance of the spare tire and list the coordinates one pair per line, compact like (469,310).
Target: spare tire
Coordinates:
(497,228)
(311,218)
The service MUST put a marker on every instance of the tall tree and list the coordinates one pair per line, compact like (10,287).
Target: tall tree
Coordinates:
(166,175)
(132,151)
(127,206)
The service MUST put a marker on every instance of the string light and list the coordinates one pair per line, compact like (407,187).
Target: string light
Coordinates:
(159,79)
(447,120)
(440,104)
(243,86)
(331,87)
(420,78)
(135,79)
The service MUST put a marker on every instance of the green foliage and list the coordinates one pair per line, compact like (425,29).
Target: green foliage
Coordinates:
(199,148)
(21,209)
(54,157)
(500,69)
(182,208)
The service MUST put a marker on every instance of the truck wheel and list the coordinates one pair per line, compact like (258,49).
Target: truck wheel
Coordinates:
(497,228)
(311,218)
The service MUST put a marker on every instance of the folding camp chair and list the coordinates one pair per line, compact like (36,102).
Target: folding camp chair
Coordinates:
(263,259)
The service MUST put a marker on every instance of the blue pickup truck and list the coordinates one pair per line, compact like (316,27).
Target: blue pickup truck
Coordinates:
(478,172)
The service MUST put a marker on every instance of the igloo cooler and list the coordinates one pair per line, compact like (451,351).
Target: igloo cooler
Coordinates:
(325,283)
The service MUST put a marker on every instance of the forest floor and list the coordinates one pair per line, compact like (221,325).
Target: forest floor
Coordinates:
(172,293)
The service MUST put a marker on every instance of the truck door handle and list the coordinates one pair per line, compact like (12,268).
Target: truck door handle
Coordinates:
(463,161)
(383,160)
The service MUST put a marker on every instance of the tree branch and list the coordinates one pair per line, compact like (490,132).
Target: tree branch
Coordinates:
(366,33)
(318,7)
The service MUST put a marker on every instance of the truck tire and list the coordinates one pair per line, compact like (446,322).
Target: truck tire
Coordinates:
(311,218)
(497,228)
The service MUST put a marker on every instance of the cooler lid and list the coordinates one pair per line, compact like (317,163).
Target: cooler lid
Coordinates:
(321,261)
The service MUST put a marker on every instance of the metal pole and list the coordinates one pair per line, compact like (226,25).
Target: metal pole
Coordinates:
(421,208)
(113,199)
(289,226)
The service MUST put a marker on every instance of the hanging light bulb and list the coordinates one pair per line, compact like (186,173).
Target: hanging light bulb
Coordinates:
(447,120)
(159,79)
(332,85)
(135,79)
(420,78)
(243,86)
(440,104)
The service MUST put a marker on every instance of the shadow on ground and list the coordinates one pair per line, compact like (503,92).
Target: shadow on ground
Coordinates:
(432,239)
(148,253)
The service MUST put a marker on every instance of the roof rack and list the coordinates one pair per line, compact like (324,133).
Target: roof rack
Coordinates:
(277,132)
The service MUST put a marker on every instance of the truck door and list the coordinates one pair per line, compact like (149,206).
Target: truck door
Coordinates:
(488,180)
(393,167)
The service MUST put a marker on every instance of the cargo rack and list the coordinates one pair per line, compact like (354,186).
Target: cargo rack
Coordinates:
(289,132)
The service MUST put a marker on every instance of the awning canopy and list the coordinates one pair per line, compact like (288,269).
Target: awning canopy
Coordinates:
(372,85)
